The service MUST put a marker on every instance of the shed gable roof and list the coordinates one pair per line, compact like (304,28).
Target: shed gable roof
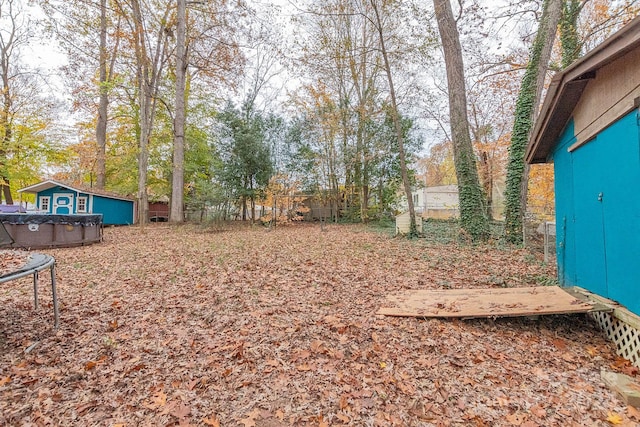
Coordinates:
(567,87)
(49,183)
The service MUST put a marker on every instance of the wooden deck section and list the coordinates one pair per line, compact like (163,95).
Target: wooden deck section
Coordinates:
(471,303)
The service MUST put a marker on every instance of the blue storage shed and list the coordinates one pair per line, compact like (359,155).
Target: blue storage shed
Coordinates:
(589,127)
(59,198)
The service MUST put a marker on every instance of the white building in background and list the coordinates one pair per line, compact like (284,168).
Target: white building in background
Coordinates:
(439,202)
(442,202)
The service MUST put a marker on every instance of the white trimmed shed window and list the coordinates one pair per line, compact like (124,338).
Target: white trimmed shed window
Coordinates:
(45,202)
(82,205)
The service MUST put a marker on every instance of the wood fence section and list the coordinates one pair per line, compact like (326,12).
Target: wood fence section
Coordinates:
(470,303)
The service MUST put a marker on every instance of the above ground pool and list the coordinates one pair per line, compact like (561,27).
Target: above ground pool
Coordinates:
(31,231)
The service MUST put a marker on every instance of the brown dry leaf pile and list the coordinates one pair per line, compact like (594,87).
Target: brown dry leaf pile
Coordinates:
(245,327)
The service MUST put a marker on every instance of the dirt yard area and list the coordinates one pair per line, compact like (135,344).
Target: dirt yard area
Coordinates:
(250,327)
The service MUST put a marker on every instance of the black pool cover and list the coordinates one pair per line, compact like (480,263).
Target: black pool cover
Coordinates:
(18,218)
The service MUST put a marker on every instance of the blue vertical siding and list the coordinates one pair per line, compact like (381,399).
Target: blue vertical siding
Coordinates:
(598,212)
(620,163)
(588,187)
(114,211)
(565,218)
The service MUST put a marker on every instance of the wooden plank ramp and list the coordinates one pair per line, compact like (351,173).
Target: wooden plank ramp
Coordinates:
(493,302)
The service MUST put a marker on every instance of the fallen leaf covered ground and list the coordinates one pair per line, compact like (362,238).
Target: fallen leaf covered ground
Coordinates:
(248,327)
(10,261)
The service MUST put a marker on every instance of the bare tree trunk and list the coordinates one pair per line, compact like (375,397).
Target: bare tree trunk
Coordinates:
(253,210)
(177,186)
(6,48)
(142,71)
(6,191)
(101,124)
(358,66)
(486,177)
(143,157)
(395,116)
(252,202)
(473,217)
(148,74)
(244,208)
(485,167)
(4,178)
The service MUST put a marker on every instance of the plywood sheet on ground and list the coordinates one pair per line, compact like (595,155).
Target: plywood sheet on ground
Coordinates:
(467,303)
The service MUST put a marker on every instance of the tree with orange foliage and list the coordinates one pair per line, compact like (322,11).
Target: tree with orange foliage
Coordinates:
(437,167)
(598,19)
(284,197)
(541,201)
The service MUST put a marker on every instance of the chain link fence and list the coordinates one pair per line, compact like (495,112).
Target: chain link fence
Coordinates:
(539,232)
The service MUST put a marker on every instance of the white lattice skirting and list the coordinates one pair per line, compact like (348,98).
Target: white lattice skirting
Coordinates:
(617,325)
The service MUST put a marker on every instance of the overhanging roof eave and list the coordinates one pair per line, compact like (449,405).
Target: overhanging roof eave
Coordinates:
(567,87)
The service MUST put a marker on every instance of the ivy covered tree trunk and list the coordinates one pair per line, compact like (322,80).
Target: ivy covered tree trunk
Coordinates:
(526,111)
(473,218)
(569,39)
